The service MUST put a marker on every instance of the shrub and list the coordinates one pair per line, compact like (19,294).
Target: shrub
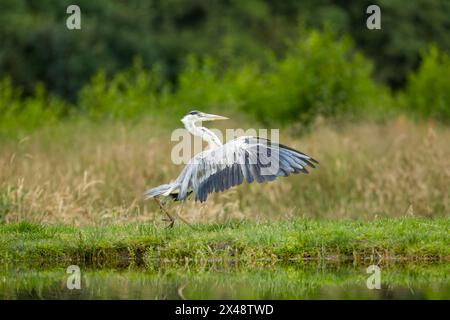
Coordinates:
(427,94)
(129,93)
(205,84)
(320,75)
(20,114)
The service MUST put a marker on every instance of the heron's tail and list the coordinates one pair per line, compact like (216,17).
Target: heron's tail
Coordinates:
(158,191)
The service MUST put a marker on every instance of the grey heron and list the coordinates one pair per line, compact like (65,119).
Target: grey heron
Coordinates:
(223,166)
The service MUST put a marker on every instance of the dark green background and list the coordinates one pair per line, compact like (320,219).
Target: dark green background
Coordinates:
(36,45)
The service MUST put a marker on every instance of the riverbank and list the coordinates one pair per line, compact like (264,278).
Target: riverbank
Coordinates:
(413,239)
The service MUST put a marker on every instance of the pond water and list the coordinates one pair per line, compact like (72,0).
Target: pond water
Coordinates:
(295,280)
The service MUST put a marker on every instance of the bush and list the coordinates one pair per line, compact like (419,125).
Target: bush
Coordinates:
(427,94)
(319,76)
(19,114)
(129,93)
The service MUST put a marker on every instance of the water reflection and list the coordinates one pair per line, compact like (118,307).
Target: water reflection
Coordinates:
(237,281)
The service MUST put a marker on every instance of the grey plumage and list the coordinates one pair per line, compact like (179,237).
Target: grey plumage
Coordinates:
(242,159)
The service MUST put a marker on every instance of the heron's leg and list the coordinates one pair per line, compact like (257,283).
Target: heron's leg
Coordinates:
(180,217)
(171,219)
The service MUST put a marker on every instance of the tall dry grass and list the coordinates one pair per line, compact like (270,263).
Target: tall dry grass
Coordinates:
(83,173)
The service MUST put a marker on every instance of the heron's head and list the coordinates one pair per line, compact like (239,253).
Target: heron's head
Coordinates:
(197,116)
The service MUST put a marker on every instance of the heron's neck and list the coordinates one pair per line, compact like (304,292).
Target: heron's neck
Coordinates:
(204,133)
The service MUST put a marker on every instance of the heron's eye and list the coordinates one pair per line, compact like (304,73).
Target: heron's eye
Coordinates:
(194,112)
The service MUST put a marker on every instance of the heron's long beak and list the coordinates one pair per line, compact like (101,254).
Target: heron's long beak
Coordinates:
(211,117)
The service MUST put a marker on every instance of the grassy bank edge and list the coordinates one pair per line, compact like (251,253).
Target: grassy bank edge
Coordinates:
(382,239)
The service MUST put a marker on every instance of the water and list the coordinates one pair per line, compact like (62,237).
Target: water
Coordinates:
(294,280)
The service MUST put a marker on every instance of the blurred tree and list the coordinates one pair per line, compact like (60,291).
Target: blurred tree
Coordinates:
(37,46)
(407,28)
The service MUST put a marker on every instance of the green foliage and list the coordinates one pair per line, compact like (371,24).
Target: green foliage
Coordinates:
(131,92)
(319,76)
(37,46)
(406,28)
(18,113)
(427,93)
(201,83)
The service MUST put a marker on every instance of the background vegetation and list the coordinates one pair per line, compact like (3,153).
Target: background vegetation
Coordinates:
(85,116)
(278,62)
(80,173)
(36,46)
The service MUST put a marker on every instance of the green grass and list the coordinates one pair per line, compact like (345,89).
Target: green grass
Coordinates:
(380,239)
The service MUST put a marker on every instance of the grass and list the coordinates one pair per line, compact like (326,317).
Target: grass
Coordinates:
(85,173)
(72,194)
(412,239)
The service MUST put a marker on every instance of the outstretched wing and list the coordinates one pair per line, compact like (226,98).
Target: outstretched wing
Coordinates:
(243,159)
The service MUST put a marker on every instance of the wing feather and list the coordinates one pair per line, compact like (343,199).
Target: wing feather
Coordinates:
(242,159)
